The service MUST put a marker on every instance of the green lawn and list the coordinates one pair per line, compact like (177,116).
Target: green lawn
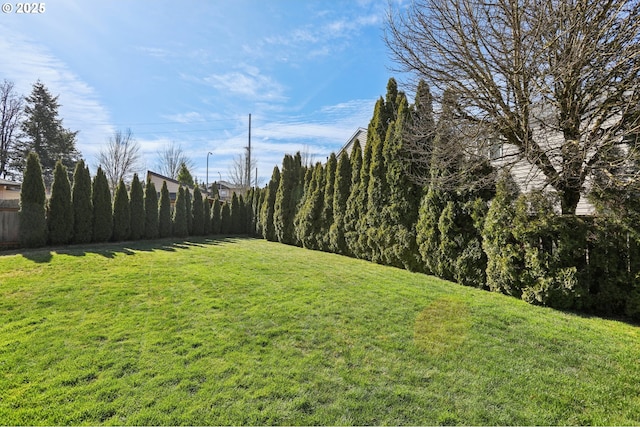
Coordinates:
(243,331)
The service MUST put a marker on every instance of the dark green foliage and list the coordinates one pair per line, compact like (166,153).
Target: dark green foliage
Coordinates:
(505,260)
(288,196)
(82,204)
(341,191)
(225,219)
(60,209)
(102,208)
(179,224)
(427,231)
(309,218)
(420,133)
(359,246)
(33,221)
(188,204)
(44,134)
(216,216)
(352,214)
(268,207)
(198,213)
(238,214)
(256,200)
(136,202)
(150,211)
(326,216)
(164,212)
(121,213)
(206,217)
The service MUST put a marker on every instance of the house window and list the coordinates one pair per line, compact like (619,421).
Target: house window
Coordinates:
(495,149)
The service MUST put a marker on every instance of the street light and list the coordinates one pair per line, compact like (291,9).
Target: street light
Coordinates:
(208,171)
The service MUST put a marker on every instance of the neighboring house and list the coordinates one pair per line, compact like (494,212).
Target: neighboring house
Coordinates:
(9,190)
(172,185)
(360,135)
(226,190)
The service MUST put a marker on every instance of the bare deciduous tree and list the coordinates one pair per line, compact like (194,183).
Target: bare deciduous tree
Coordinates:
(238,170)
(11,108)
(171,158)
(529,71)
(120,158)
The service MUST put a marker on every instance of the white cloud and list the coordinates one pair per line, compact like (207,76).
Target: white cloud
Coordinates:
(81,109)
(249,83)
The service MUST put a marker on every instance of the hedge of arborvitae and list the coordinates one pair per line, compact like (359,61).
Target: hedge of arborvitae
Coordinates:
(366,205)
(60,209)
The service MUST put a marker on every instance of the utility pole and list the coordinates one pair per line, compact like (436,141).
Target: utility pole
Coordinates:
(249,156)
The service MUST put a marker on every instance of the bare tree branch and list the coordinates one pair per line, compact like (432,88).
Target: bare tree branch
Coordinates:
(170,158)
(120,158)
(11,109)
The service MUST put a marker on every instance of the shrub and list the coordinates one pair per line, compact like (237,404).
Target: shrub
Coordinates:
(60,212)
(164,212)
(102,208)
(121,213)
(136,203)
(150,211)
(82,205)
(33,221)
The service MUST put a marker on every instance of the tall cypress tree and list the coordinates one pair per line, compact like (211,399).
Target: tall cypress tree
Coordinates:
(121,213)
(342,188)
(268,207)
(164,212)
(309,217)
(33,221)
(216,216)
(327,203)
(60,212)
(102,208)
(180,226)
(150,210)
(197,213)
(225,219)
(82,204)
(188,204)
(136,203)
(352,213)
(236,215)
(285,203)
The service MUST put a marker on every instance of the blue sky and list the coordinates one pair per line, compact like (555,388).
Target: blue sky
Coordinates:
(191,71)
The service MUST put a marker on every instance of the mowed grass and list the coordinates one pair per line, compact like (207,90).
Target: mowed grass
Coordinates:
(243,331)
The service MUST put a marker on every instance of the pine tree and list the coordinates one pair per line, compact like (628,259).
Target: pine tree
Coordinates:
(136,203)
(327,205)
(33,221)
(352,213)
(102,208)
(164,212)
(44,134)
(342,189)
(197,213)
(121,213)
(150,211)
(60,211)
(216,216)
(268,207)
(179,225)
(82,205)
(184,176)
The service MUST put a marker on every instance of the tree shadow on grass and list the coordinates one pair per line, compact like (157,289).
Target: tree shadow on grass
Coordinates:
(110,250)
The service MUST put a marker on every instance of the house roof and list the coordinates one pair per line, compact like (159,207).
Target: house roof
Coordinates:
(10,183)
(361,135)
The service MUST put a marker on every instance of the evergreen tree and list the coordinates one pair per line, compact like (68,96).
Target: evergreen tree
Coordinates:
(44,134)
(342,189)
(180,225)
(504,257)
(164,212)
(352,214)
(102,208)
(184,176)
(206,217)
(225,219)
(82,205)
(150,211)
(400,212)
(236,215)
(427,231)
(268,207)
(309,218)
(60,211)
(188,204)
(121,213)
(197,212)
(377,194)
(287,198)
(136,203)
(216,216)
(33,221)
(327,205)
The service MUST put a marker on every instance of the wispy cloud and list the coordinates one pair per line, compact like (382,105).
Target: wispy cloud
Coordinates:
(248,83)
(80,108)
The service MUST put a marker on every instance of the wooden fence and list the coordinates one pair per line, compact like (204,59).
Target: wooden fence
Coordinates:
(9,223)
